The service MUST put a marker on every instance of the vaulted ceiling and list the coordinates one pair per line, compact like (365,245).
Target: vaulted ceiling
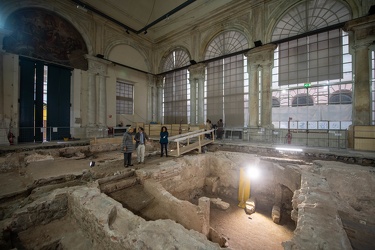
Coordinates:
(156,18)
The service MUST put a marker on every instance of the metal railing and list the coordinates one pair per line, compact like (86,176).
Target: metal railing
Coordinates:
(309,138)
(298,137)
(43,134)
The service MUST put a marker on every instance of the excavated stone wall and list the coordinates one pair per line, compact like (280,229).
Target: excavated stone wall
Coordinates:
(333,203)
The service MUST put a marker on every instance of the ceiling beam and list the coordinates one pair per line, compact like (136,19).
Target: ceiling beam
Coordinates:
(178,8)
(167,15)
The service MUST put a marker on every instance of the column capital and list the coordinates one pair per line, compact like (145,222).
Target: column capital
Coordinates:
(159,81)
(97,65)
(363,29)
(262,55)
(197,71)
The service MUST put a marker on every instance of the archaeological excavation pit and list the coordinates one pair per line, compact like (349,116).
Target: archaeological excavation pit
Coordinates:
(185,201)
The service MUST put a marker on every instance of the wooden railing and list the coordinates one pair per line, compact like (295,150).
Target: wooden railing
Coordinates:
(191,146)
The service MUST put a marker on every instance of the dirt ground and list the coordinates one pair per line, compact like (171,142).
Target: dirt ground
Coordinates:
(251,232)
(255,231)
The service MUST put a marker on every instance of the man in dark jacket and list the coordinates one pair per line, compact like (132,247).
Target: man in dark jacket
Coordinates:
(141,138)
(127,147)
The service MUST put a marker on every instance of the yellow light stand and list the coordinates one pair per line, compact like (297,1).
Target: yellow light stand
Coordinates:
(243,189)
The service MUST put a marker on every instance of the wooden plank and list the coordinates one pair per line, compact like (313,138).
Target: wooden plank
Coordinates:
(364,131)
(112,140)
(155,130)
(364,128)
(364,144)
(192,135)
(190,147)
(172,138)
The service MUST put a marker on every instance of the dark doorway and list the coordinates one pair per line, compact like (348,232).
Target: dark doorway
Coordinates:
(44,101)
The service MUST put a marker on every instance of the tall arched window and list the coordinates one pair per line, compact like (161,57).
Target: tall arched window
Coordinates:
(176,96)
(227,80)
(313,66)
(309,16)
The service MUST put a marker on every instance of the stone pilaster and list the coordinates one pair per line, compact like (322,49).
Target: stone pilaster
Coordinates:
(362,30)
(260,59)
(197,76)
(150,87)
(97,109)
(159,107)
(193,101)
(266,107)
(102,117)
(91,108)
(5,120)
(154,100)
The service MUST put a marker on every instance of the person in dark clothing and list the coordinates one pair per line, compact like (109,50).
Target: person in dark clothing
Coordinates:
(220,129)
(128,147)
(208,127)
(164,140)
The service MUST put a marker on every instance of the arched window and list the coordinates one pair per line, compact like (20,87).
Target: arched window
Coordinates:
(275,102)
(226,43)
(176,88)
(226,79)
(309,16)
(176,59)
(341,97)
(302,100)
(313,64)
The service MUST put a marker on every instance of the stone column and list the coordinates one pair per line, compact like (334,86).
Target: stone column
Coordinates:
(91,108)
(266,107)
(159,106)
(154,97)
(150,86)
(193,101)
(201,101)
(253,95)
(362,30)
(97,104)
(7,109)
(260,59)
(3,33)
(197,76)
(102,102)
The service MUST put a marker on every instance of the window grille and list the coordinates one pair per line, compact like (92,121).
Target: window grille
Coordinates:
(124,98)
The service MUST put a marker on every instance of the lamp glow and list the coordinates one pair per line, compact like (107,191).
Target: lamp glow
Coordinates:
(252,173)
(290,149)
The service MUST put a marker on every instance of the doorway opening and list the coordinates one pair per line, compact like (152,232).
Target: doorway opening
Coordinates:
(39,82)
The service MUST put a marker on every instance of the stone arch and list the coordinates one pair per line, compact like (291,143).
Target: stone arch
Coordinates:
(283,7)
(111,45)
(218,30)
(208,42)
(302,99)
(168,52)
(43,34)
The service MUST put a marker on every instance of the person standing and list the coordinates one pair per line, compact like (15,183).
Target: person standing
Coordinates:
(141,137)
(127,147)
(220,129)
(164,140)
(208,127)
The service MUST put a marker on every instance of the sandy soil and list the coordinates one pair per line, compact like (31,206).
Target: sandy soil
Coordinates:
(255,231)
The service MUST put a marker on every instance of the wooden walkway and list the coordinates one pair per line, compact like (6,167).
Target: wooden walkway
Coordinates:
(198,138)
